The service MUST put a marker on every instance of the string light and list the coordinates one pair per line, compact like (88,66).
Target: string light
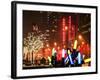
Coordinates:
(34,42)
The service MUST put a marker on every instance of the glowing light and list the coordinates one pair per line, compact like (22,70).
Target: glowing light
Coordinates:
(87,60)
(70,58)
(53,51)
(66,59)
(63,29)
(34,42)
(75,44)
(83,43)
(49,59)
(68,52)
(79,58)
(63,53)
(53,30)
(66,28)
(47,45)
(83,56)
(72,45)
(45,50)
(80,37)
(69,28)
(55,43)
(47,30)
(63,22)
(55,26)
(58,47)
(49,49)
(64,46)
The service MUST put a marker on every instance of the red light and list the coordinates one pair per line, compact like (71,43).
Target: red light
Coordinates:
(83,43)
(66,27)
(63,22)
(58,47)
(63,29)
